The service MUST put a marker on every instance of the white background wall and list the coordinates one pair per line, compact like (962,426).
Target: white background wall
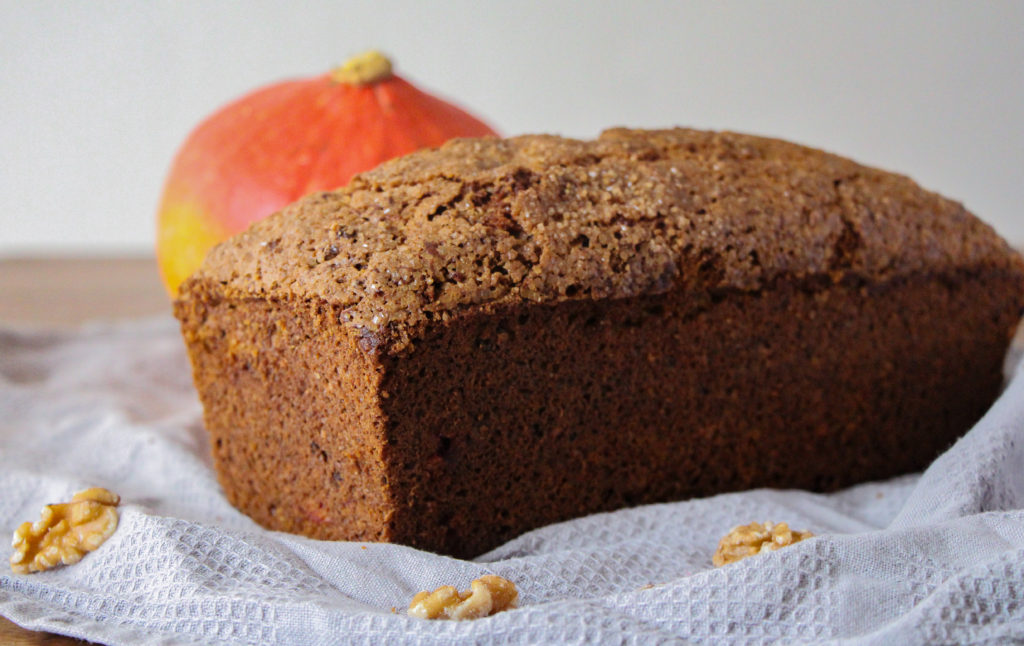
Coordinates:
(96,96)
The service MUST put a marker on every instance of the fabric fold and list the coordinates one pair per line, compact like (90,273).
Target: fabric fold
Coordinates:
(936,557)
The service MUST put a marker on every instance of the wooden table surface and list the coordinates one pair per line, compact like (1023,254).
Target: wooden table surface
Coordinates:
(63,292)
(67,291)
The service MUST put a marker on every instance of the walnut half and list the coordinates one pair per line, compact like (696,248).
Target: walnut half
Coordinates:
(65,531)
(488,595)
(748,540)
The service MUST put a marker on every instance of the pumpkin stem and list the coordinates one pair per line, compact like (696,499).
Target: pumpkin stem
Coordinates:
(363,69)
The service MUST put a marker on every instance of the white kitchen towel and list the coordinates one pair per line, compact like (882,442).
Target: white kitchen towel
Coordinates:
(922,559)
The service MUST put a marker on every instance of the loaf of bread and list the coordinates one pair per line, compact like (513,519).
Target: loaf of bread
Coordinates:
(470,342)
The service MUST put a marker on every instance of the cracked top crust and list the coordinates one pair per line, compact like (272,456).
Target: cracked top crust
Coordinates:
(483,222)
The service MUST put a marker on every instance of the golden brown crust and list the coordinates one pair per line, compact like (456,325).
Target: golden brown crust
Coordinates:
(475,341)
(544,219)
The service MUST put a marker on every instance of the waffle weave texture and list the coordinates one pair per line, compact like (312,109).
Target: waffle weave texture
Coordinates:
(923,559)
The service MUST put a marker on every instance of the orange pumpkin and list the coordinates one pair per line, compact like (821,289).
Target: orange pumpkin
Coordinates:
(283,141)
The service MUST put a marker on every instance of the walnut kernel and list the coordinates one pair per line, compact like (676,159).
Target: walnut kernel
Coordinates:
(488,595)
(748,540)
(65,531)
